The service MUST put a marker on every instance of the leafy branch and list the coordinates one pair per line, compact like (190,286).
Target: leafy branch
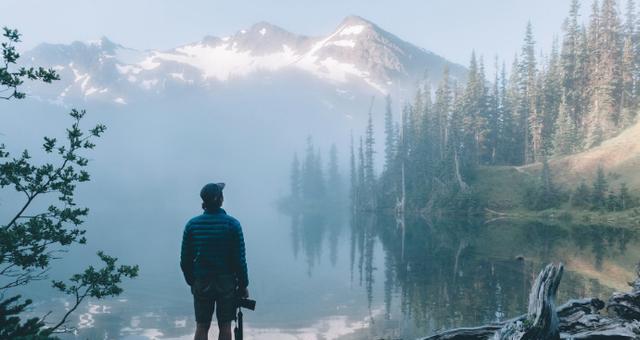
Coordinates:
(29,241)
(10,79)
(94,283)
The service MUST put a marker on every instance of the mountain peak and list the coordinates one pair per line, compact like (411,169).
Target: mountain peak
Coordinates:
(355,20)
(264,27)
(104,44)
(357,52)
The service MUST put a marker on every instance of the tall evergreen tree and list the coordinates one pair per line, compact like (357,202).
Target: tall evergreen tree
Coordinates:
(442,114)
(353,176)
(334,180)
(581,197)
(494,118)
(550,99)
(389,141)
(572,67)
(529,116)
(295,178)
(363,199)
(600,188)
(625,198)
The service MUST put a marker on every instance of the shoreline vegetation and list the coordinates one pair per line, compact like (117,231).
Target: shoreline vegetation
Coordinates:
(505,193)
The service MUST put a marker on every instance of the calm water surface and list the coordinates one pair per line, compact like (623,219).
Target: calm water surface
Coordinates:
(328,277)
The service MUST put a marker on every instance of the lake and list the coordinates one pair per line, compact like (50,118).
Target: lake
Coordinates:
(326,276)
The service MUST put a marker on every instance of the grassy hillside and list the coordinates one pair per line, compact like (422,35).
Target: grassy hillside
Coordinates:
(620,157)
(503,188)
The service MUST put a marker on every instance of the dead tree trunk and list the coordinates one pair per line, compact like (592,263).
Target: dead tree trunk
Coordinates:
(542,319)
(576,319)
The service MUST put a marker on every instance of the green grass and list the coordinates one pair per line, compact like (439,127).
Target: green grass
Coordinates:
(503,188)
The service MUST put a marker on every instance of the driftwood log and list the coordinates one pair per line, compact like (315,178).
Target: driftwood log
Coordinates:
(576,319)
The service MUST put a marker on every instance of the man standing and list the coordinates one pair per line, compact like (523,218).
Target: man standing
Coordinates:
(213,263)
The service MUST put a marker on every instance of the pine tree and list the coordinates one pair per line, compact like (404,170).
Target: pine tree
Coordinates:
(353,178)
(612,202)
(295,178)
(318,178)
(369,170)
(334,180)
(362,184)
(530,121)
(308,172)
(564,139)
(389,142)
(625,198)
(629,67)
(551,98)
(494,116)
(600,188)
(472,113)
(547,196)
(572,64)
(506,138)
(627,95)
(442,113)
(581,198)
(606,77)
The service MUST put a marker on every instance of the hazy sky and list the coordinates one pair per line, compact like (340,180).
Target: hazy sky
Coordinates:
(451,28)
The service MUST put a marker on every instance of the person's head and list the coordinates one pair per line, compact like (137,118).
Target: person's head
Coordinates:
(211,195)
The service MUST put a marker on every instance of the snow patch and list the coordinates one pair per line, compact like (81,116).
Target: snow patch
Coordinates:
(126,69)
(263,31)
(149,63)
(223,62)
(355,29)
(343,43)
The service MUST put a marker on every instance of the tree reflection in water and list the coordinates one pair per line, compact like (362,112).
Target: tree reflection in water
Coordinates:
(309,231)
(454,273)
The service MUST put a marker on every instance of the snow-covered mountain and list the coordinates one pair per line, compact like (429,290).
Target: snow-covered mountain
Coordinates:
(357,55)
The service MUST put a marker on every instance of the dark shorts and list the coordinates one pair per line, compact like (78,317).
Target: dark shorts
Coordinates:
(214,294)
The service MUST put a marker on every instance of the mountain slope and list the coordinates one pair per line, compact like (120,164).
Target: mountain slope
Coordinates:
(504,187)
(358,54)
(619,156)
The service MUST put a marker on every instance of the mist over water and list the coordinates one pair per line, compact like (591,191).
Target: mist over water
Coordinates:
(313,275)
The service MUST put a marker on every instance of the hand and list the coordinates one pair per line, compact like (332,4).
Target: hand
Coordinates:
(243,293)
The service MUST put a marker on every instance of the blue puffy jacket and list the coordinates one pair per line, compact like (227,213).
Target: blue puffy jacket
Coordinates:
(213,244)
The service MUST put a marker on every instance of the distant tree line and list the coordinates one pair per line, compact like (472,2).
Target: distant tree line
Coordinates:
(545,194)
(314,187)
(582,92)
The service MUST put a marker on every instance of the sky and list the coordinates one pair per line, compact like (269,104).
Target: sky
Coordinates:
(451,28)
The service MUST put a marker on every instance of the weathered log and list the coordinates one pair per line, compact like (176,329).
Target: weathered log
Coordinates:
(576,319)
(625,305)
(470,333)
(542,318)
(594,326)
